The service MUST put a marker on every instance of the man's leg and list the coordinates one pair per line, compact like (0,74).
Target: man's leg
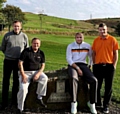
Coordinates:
(42,88)
(42,85)
(7,69)
(98,73)
(73,83)
(90,79)
(15,83)
(23,90)
(108,85)
(73,88)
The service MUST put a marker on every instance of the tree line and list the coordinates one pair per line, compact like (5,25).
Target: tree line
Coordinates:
(9,13)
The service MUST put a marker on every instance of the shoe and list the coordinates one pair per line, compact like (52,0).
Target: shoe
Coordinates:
(106,110)
(2,107)
(98,105)
(73,107)
(92,107)
(19,111)
(40,101)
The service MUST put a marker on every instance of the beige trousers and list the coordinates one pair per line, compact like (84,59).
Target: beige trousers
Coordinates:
(23,87)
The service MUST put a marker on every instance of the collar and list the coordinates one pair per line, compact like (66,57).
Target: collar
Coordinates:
(30,48)
(78,44)
(16,33)
(104,38)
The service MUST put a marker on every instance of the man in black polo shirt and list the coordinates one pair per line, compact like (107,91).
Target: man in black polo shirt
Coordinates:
(31,66)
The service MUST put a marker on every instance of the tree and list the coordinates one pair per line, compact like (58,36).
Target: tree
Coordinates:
(2,21)
(1,3)
(12,13)
(2,25)
(117,29)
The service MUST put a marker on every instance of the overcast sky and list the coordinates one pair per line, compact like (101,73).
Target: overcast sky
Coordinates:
(71,9)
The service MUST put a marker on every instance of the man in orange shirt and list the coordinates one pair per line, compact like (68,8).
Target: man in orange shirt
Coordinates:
(105,57)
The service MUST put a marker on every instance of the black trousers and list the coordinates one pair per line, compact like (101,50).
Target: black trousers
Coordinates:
(9,67)
(104,72)
(87,76)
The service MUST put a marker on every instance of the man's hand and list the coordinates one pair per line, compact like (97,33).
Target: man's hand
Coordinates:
(36,76)
(80,72)
(24,78)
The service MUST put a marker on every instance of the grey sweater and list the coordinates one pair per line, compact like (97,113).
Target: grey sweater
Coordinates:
(13,44)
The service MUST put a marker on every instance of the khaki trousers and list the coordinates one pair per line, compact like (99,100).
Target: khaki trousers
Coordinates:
(23,87)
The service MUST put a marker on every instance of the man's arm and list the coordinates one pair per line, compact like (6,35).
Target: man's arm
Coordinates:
(3,45)
(90,60)
(115,58)
(20,65)
(24,77)
(42,68)
(93,56)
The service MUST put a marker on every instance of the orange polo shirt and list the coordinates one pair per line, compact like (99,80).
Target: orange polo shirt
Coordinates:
(104,49)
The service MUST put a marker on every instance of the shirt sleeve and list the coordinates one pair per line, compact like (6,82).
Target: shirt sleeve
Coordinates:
(23,55)
(69,55)
(27,42)
(90,61)
(3,45)
(42,57)
(116,44)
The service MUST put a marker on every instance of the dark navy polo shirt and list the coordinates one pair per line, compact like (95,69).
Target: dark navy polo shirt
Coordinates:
(32,60)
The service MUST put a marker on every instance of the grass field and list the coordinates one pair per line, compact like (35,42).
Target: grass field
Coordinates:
(54,48)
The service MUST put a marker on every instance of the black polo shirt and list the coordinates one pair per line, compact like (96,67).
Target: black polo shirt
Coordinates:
(32,60)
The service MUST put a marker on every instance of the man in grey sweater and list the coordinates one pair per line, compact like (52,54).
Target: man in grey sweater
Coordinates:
(12,45)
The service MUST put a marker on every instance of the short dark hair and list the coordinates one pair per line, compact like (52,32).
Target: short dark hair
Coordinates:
(78,33)
(35,39)
(17,21)
(102,25)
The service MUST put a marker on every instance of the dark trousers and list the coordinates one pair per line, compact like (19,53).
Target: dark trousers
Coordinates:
(104,72)
(9,67)
(87,76)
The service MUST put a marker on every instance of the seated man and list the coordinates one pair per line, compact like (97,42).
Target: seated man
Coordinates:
(76,55)
(31,66)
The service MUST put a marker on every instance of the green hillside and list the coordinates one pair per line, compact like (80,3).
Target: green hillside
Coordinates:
(54,25)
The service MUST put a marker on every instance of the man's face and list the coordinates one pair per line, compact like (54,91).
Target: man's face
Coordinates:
(17,27)
(35,44)
(79,38)
(103,31)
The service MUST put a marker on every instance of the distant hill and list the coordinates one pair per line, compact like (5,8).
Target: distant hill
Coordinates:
(111,22)
(50,24)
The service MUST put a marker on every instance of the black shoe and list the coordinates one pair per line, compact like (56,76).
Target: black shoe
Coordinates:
(12,106)
(106,110)
(2,107)
(40,101)
(19,111)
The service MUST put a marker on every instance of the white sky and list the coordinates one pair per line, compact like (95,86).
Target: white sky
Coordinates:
(71,9)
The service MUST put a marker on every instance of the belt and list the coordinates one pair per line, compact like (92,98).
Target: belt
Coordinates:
(105,64)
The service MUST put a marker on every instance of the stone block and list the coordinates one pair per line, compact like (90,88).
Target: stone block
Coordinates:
(58,90)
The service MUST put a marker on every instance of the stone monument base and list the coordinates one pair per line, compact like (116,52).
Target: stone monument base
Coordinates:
(58,96)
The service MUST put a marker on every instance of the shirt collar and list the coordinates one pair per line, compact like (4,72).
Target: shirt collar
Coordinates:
(16,33)
(77,43)
(105,37)
(30,48)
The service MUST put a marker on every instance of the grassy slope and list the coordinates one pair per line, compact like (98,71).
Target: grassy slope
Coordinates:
(55,24)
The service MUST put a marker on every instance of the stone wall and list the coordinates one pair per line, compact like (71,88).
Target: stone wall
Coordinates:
(58,90)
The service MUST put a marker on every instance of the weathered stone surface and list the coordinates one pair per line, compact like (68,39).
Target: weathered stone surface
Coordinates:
(57,98)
